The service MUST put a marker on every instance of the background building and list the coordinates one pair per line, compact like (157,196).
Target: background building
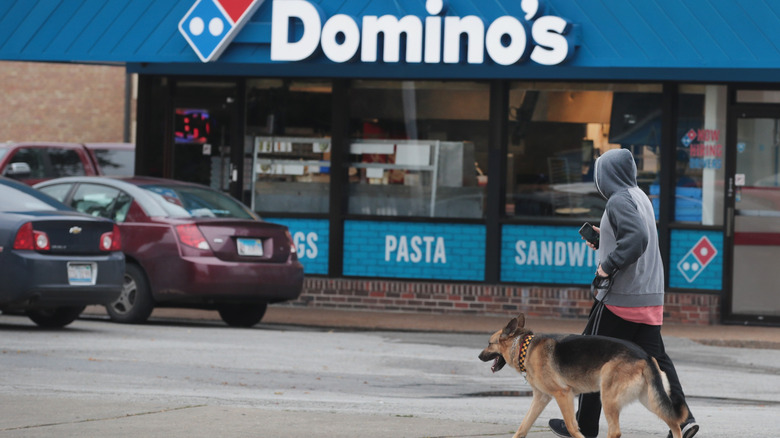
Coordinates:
(64,102)
(437,156)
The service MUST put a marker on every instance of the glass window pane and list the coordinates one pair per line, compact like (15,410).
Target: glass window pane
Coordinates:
(557,130)
(95,200)
(419,148)
(33,157)
(17,200)
(701,130)
(186,201)
(758,96)
(290,126)
(116,162)
(58,191)
(66,162)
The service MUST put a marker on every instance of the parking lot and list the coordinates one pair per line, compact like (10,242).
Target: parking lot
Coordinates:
(197,377)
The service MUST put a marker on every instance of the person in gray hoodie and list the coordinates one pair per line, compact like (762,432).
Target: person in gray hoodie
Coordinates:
(629,301)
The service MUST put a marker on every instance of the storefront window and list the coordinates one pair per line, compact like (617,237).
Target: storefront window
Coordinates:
(557,130)
(289,127)
(419,148)
(701,134)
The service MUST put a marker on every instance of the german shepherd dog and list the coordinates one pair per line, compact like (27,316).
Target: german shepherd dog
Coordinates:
(562,367)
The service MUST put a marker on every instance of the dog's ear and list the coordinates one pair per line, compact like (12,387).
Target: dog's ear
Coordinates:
(510,328)
(520,320)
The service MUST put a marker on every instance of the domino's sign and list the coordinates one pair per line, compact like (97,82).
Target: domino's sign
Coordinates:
(300,30)
(695,259)
(699,256)
(430,251)
(210,25)
(312,242)
(546,254)
(506,40)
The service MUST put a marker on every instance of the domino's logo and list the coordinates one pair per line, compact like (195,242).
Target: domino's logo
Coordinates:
(210,25)
(688,138)
(697,259)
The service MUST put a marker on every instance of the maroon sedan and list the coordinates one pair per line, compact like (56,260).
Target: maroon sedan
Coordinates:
(187,245)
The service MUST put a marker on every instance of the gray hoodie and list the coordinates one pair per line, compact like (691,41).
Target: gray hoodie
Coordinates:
(628,246)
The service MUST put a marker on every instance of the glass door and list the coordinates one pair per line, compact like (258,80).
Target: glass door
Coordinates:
(755,217)
(204,134)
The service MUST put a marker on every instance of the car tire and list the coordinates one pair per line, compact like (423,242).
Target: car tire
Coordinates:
(56,317)
(135,303)
(242,315)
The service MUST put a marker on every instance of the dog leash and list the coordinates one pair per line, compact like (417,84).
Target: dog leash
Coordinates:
(594,319)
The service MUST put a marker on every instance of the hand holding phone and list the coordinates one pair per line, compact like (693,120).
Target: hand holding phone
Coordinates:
(590,234)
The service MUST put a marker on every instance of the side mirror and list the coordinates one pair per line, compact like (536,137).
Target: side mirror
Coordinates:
(18,170)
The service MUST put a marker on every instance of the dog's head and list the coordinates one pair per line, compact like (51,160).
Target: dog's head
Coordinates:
(500,343)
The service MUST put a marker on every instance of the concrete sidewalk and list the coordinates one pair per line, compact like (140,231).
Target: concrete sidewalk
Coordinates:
(727,335)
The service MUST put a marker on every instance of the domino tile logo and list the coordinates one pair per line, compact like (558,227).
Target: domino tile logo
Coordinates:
(697,259)
(210,25)
(688,138)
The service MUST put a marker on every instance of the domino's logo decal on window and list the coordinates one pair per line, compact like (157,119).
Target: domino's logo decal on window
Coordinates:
(210,25)
(697,259)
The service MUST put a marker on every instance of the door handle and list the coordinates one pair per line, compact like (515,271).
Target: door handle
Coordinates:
(233,173)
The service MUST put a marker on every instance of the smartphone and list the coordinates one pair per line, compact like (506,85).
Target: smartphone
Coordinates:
(590,234)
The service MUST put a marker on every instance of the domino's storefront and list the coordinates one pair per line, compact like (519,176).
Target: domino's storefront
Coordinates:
(437,156)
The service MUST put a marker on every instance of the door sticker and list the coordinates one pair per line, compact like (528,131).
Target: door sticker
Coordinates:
(697,259)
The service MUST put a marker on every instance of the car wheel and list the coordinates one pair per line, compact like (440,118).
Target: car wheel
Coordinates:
(135,303)
(55,317)
(242,315)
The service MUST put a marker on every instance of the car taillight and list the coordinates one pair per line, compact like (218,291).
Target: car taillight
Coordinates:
(27,238)
(290,240)
(190,235)
(111,241)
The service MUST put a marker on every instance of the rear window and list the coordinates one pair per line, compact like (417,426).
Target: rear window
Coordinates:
(19,201)
(115,162)
(199,202)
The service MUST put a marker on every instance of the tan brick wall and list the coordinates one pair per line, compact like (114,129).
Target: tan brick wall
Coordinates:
(61,102)
(479,299)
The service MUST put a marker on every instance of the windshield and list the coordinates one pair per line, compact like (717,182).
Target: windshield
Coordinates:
(183,201)
(24,199)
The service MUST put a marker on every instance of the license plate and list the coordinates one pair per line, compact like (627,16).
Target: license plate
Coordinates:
(82,274)
(250,247)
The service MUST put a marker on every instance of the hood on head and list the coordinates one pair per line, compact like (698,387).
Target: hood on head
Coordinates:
(614,170)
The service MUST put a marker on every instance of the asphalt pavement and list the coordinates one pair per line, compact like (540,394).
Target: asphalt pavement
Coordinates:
(85,417)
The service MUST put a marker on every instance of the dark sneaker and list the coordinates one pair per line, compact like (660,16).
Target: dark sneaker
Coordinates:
(558,427)
(689,429)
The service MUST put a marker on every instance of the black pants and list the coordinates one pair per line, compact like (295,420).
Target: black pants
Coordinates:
(605,323)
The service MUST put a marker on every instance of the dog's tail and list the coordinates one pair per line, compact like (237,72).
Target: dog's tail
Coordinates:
(669,407)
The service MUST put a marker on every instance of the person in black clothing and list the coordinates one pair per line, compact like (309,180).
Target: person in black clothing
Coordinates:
(631,307)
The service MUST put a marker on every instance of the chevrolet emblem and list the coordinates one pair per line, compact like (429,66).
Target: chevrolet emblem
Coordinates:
(74,230)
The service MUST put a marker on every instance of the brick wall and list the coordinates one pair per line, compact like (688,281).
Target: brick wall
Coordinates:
(428,297)
(61,102)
